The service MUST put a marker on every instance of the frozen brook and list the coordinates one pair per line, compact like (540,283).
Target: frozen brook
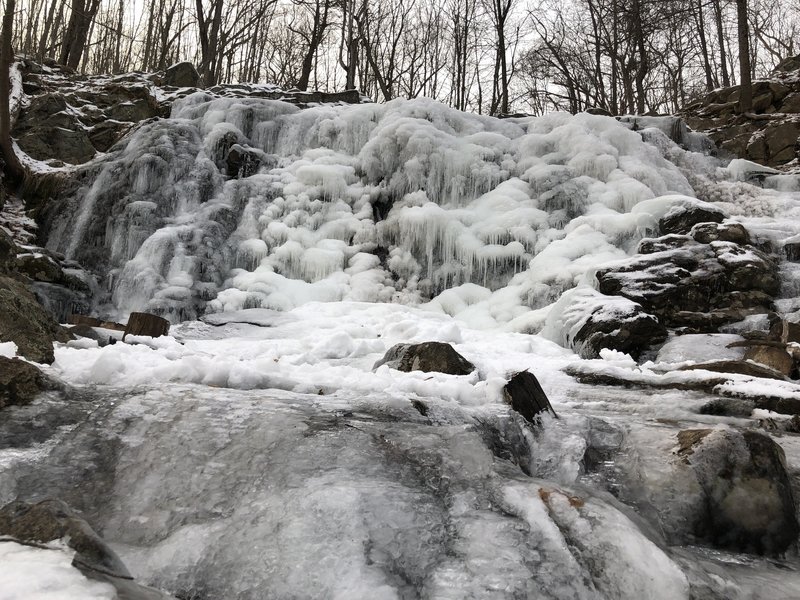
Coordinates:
(259,456)
(256,453)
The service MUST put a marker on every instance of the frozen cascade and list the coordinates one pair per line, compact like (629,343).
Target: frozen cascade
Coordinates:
(437,198)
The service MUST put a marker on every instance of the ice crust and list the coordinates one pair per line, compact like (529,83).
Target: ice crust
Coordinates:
(397,202)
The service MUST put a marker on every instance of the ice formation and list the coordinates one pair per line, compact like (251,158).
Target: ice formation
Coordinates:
(408,201)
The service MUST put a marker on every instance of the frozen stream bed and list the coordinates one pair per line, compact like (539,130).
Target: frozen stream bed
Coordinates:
(258,455)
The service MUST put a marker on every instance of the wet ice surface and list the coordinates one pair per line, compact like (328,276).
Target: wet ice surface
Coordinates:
(259,456)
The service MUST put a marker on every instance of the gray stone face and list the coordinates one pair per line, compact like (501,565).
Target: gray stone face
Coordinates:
(47,142)
(20,382)
(182,74)
(26,323)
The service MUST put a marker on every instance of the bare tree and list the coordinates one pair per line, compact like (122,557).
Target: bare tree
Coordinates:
(11,165)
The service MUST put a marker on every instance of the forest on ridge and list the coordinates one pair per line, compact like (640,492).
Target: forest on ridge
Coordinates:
(486,56)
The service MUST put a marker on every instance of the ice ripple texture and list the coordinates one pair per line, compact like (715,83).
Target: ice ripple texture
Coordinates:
(396,202)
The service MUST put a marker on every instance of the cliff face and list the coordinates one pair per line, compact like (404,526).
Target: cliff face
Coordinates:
(767,135)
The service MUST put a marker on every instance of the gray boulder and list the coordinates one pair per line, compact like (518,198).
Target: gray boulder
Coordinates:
(426,357)
(681,219)
(747,503)
(182,74)
(20,382)
(52,520)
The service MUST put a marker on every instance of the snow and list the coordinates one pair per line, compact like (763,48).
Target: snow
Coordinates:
(8,349)
(46,573)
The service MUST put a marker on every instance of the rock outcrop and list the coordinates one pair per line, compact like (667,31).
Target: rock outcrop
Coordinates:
(70,118)
(426,357)
(769,134)
(26,323)
(698,275)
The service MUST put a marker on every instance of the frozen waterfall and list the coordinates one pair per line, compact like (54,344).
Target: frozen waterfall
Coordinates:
(249,203)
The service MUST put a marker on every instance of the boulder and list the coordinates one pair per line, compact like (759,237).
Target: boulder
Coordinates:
(697,285)
(20,382)
(427,356)
(681,219)
(146,324)
(40,267)
(746,496)
(242,162)
(26,323)
(705,233)
(525,395)
(182,74)
(773,357)
(785,331)
(781,139)
(588,321)
(728,407)
(741,367)
(47,142)
(630,331)
(788,64)
(51,520)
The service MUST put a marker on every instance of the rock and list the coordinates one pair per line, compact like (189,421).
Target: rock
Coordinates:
(729,407)
(146,324)
(20,382)
(785,331)
(791,103)
(681,219)
(182,74)
(791,250)
(747,496)
(630,332)
(52,520)
(8,252)
(705,233)
(107,133)
(26,323)
(741,367)
(426,357)
(781,425)
(46,142)
(40,267)
(783,406)
(701,286)
(781,139)
(587,321)
(242,162)
(777,359)
(788,64)
(525,395)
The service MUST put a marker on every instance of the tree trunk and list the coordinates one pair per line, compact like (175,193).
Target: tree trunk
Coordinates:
(12,168)
(743,30)
(726,80)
